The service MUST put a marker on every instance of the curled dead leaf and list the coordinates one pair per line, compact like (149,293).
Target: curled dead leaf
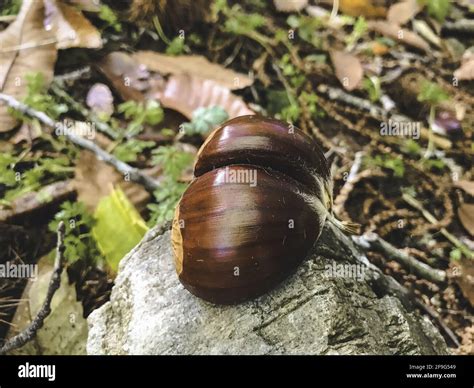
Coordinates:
(348,69)
(129,78)
(25,47)
(398,33)
(194,65)
(185,93)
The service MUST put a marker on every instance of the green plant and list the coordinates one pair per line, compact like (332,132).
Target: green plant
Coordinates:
(307,28)
(438,9)
(167,198)
(44,171)
(107,15)
(173,162)
(386,161)
(373,88)
(78,241)
(130,149)
(359,29)
(433,95)
(141,114)
(176,46)
(10,7)
(204,120)
(38,99)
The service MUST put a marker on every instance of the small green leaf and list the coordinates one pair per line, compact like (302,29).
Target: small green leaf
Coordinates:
(172,160)
(205,120)
(119,227)
(432,93)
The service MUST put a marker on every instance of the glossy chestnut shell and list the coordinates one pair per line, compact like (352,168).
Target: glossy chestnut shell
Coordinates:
(235,239)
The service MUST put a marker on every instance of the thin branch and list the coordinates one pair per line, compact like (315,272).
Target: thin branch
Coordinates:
(134,174)
(372,241)
(30,332)
(432,220)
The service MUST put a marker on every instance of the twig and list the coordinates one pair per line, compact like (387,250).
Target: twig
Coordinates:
(462,25)
(348,184)
(133,174)
(30,332)
(431,219)
(372,241)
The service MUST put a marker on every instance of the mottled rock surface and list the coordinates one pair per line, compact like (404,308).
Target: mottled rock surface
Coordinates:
(315,311)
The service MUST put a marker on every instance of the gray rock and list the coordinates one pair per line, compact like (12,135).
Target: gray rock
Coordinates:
(318,310)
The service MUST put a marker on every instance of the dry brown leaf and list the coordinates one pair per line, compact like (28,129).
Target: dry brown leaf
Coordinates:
(71,27)
(94,180)
(467,186)
(129,78)
(194,65)
(185,94)
(466,71)
(403,12)
(290,5)
(466,216)
(464,270)
(367,8)
(25,47)
(398,33)
(348,69)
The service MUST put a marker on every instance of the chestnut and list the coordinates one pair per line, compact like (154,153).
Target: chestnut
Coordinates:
(261,195)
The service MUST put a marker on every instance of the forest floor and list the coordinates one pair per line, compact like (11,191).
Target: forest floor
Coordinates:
(386,87)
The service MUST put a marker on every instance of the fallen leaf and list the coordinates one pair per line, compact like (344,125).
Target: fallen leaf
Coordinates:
(348,69)
(101,101)
(65,329)
(26,47)
(94,179)
(398,33)
(129,78)
(367,8)
(194,65)
(71,27)
(185,94)
(466,216)
(467,186)
(403,12)
(466,71)
(119,227)
(290,5)
(464,270)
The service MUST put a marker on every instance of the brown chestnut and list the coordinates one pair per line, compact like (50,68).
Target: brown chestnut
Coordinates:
(258,204)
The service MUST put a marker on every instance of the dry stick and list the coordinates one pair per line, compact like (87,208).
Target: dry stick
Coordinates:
(134,174)
(372,241)
(27,335)
(431,219)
